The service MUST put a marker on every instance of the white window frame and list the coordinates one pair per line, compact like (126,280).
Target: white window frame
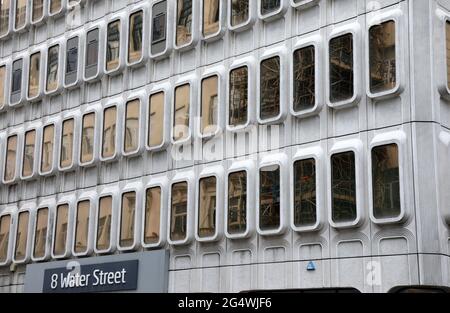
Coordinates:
(135,187)
(101,52)
(354,29)
(113,192)
(81,42)
(60,12)
(42,72)
(140,95)
(162,183)
(11,22)
(50,205)
(218,173)
(61,61)
(166,89)
(249,167)
(192,81)
(304,4)
(222,20)
(70,201)
(93,198)
(355,146)
(145,34)
(123,28)
(31,208)
(189,178)
(56,122)
(45,12)
(281,53)
(316,153)
(280,160)
(97,110)
(251,18)
(37,127)
(398,138)
(169,31)
(6,83)
(18,132)
(278,13)
(11,212)
(218,71)
(316,42)
(27,16)
(195,27)
(250,63)
(76,116)
(396,16)
(14,104)
(118,103)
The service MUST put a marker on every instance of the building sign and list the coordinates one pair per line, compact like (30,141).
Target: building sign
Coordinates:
(104,277)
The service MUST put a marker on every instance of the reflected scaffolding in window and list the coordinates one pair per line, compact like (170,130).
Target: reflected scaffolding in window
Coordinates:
(5,228)
(152,215)
(109,132)
(240,12)
(48,140)
(61,225)
(305,197)
(304,79)
(237,202)
(178,211)
(127,219)
(269,6)
(269,198)
(238,106)
(270,88)
(135,37)
(67,143)
(22,236)
(184,22)
(113,46)
(82,226)
(207,207)
(341,68)
(87,138)
(40,233)
(211,16)
(28,153)
(104,223)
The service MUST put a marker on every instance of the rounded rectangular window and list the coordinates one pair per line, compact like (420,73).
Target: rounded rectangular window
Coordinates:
(211,16)
(40,233)
(447,34)
(135,37)
(5,6)
(127,219)
(55,6)
(341,68)
(38,10)
(16,84)
(28,153)
(181,112)
(33,75)
(237,202)
(91,58)
(131,137)
(269,198)
(61,228)
(21,13)
(71,60)
(2,85)
(156,120)
(104,223)
(11,157)
(159,22)
(113,46)
(48,139)
(269,6)
(184,22)
(87,138)
(178,211)
(270,88)
(343,187)
(305,197)
(383,75)
(152,215)
(67,137)
(304,79)
(386,182)
(240,12)
(20,251)
(209,105)
(109,132)
(82,226)
(5,228)
(238,106)
(52,68)
(207,207)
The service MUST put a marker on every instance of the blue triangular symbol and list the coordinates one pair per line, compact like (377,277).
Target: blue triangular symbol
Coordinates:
(311,266)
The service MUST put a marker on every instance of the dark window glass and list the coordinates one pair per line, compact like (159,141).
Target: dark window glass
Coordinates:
(40,233)
(238,105)
(152,215)
(343,187)
(237,202)
(385,181)
(240,12)
(211,15)
(72,56)
(269,198)
(382,57)
(341,68)
(304,79)
(159,28)
(135,37)
(305,198)
(207,207)
(269,6)
(104,223)
(52,68)
(92,48)
(184,22)
(16,76)
(270,88)
(178,215)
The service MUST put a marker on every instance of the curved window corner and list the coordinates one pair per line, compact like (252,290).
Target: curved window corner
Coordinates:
(61,231)
(72,62)
(47,149)
(5,237)
(92,53)
(131,136)
(52,77)
(29,150)
(34,76)
(135,38)
(186,24)
(238,98)
(156,128)
(269,201)
(181,122)
(209,106)
(20,15)
(66,157)
(10,173)
(152,235)
(109,133)
(81,244)
(3,84)
(240,14)
(269,10)
(87,152)
(16,82)
(56,7)
(5,8)
(179,223)
(207,209)
(103,241)
(127,223)
(159,42)
(271,96)
(41,234)
(304,4)
(113,46)
(37,11)
(212,12)
(21,253)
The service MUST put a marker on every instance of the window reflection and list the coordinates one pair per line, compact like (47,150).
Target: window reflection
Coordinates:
(113,46)
(156,120)
(237,202)
(109,132)
(82,226)
(38,10)
(207,207)
(343,187)
(55,6)
(16,84)
(382,57)
(305,198)
(239,12)
(238,105)
(269,6)
(11,154)
(178,214)
(209,105)
(159,28)
(132,126)
(5,5)
(61,224)
(127,219)
(152,215)
(181,115)
(341,68)
(40,235)
(67,143)
(92,48)
(28,153)
(48,138)
(33,77)
(104,223)
(2,86)
(270,88)
(87,138)
(304,79)
(135,37)
(22,236)
(5,228)
(386,181)
(184,22)
(21,10)
(447,32)
(52,68)
(269,198)
(211,15)
(72,56)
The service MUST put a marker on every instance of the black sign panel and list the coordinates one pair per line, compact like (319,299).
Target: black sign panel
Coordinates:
(105,277)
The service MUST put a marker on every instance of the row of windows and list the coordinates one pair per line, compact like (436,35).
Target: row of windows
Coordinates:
(122,210)
(63,67)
